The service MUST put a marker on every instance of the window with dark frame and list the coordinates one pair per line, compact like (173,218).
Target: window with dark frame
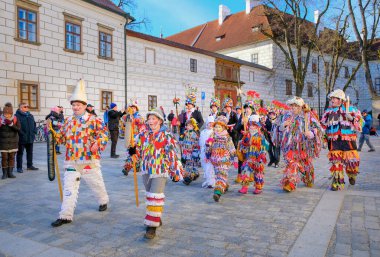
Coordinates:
(29,95)
(289,85)
(314,65)
(193,65)
(152,102)
(105,45)
(310,88)
(106,99)
(251,76)
(73,36)
(27,24)
(255,58)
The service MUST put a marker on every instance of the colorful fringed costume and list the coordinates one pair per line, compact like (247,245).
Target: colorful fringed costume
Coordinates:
(252,152)
(222,154)
(79,134)
(190,154)
(341,136)
(299,150)
(158,161)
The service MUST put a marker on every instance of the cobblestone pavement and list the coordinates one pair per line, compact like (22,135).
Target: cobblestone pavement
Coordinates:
(357,231)
(194,225)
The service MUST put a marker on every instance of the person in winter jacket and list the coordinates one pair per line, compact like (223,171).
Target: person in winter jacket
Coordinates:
(364,136)
(113,126)
(27,134)
(9,128)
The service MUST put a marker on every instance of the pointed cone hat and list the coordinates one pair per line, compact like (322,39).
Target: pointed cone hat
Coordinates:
(79,94)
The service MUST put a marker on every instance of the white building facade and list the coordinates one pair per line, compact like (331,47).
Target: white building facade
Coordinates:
(47,46)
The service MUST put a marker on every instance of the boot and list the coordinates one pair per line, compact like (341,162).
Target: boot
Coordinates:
(289,187)
(243,190)
(150,232)
(257,191)
(10,173)
(5,173)
(238,179)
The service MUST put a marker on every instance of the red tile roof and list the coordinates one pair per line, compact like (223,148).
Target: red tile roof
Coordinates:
(236,29)
(108,5)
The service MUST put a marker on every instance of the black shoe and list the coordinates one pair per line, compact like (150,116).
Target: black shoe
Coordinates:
(115,156)
(10,173)
(19,170)
(270,164)
(276,165)
(32,168)
(5,173)
(371,150)
(103,207)
(352,181)
(187,181)
(60,222)
(216,197)
(150,232)
(125,172)
(58,153)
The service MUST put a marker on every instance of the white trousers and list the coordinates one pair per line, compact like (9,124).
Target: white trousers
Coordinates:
(209,174)
(92,175)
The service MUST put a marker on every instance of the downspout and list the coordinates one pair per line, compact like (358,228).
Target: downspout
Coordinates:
(125,60)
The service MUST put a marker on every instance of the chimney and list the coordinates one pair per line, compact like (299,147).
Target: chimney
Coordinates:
(249,4)
(223,13)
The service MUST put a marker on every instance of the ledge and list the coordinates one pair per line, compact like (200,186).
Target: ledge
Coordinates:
(106,58)
(72,51)
(27,41)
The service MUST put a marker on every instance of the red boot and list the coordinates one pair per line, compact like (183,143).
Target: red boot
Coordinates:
(243,190)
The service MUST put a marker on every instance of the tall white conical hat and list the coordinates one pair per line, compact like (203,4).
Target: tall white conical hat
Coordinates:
(79,94)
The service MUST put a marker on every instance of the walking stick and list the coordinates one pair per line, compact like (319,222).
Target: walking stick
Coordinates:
(56,163)
(132,140)
(306,116)
(176,102)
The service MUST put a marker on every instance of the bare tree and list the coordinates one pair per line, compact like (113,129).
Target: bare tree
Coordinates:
(293,34)
(334,50)
(131,5)
(365,14)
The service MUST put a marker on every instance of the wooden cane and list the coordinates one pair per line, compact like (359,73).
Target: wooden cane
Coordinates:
(348,105)
(132,140)
(56,165)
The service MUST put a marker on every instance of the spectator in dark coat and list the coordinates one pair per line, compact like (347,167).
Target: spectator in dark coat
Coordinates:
(9,128)
(90,109)
(364,136)
(113,126)
(273,151)
(27,134)
(191,112)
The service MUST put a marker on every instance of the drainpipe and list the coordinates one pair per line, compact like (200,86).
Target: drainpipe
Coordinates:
(129,19)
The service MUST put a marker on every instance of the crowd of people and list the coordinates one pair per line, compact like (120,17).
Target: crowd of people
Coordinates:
(245,138)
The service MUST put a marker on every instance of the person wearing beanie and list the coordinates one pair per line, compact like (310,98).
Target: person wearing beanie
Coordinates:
(342,122)
(221,152)
(208,169)
(301,142)
(84,136)
(364,136)
(190,151)
(56,121)
(113,126)
(156,152)
(9,128)
(26,135)
(252,152)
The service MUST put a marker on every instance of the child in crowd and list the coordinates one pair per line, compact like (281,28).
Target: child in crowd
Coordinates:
(190,151)
(222,153)
(208,169)
(9,128)
(252,149)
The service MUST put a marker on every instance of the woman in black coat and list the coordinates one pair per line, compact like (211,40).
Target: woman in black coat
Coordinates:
(9,128)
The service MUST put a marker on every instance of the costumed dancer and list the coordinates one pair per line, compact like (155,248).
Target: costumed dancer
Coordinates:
(156,150)
(342,122)
(190,151)
(214,107)
(241,126)
(84,136)
(222,154)
(208,169)
(133,116)
(232,119)
(252,151)
(191,112)
(9,128)
(301,143)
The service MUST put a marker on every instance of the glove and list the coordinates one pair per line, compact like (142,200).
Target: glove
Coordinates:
(132,151)
(349,117)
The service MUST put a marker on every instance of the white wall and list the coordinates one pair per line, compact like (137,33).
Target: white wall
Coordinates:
(50,65)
